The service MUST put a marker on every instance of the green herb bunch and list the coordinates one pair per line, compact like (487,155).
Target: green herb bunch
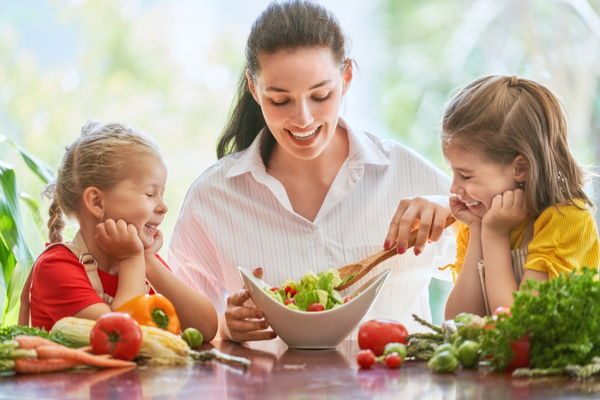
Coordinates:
(9,333)
(562,321)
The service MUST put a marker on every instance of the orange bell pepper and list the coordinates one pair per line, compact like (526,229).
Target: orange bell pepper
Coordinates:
(153,310)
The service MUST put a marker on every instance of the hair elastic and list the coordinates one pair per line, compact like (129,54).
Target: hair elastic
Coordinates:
(49,191)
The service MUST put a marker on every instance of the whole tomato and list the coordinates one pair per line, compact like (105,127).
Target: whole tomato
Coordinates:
(117,334)
(521,350)
(520,347)
(376,333)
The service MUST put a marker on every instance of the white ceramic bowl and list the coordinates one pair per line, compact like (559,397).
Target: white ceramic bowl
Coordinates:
(313,330)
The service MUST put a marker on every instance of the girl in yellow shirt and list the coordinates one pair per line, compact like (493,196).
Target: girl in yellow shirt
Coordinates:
(517,192)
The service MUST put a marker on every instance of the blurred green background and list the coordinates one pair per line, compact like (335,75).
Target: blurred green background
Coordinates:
(170,68)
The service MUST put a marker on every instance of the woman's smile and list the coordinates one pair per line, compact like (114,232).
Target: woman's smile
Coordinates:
(305,137)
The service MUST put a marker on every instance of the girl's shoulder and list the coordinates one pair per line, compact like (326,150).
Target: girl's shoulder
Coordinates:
(566,223)
(565,215)
(58,255)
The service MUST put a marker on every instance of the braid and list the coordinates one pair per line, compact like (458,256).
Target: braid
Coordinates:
(56,223)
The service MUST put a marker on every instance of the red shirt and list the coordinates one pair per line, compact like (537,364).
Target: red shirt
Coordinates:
(60,287)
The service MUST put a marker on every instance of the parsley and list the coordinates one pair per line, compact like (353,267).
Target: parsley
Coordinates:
(9,332)
(563,322)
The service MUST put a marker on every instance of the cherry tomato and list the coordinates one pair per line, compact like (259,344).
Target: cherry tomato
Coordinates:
(291,291)
(117,334)
(315,307)
(521,350)
(393,360)
(289,301)
(274,289)
(376,333)
(347,299)
(365,359)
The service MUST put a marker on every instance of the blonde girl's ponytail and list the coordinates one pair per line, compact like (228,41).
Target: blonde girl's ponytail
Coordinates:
(56,223)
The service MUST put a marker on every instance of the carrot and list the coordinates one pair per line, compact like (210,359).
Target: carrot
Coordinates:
(31,342)
(87,349)
(45,352)
(32,365)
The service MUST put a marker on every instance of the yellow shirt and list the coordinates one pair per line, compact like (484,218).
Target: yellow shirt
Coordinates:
(562,241)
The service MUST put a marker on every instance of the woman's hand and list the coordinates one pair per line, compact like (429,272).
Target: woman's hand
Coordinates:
(245,323)
(427,213)
(508,210)
(462,213)
(119,239)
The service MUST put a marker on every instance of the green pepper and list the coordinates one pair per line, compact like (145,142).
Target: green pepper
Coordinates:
(192,337)
(395,348)
(447,347)
(443,362)
(468,353)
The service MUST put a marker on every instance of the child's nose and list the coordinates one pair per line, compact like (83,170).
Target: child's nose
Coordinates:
(455,188)
(162,207)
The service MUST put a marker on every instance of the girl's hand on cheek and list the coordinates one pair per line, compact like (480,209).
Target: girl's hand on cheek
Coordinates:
(157,245)
(462,213)
(119,239)
(507,211)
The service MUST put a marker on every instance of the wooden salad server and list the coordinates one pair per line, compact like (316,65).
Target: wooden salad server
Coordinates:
(361,268)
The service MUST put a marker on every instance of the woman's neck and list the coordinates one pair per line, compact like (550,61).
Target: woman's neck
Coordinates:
(307,182)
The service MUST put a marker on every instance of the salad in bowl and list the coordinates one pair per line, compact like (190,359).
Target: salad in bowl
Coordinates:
(312,330)
(314,292)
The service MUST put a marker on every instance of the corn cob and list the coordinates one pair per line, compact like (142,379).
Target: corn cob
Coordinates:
(160,346)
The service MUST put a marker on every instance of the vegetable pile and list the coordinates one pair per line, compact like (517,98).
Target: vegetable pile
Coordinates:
(147,331)
(552,328)
(562,321)
(34,354)
(314,292)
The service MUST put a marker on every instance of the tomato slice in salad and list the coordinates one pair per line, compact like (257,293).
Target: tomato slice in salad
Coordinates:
(315,307)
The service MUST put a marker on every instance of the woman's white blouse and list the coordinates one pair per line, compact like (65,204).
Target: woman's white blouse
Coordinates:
(236,214)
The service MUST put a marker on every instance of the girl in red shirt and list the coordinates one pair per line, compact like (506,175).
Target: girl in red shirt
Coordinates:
(112,180)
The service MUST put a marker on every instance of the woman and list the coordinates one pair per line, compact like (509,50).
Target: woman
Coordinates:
(297,189)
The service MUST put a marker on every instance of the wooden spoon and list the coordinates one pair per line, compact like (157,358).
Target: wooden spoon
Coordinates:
(363,267)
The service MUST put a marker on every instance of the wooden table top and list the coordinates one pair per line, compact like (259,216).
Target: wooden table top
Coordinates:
(281,373)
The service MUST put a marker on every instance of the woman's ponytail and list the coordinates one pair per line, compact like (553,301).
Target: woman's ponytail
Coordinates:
(245,122)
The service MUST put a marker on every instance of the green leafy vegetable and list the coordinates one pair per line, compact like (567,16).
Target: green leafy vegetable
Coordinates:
(563,322)
(312,288)
(9,332)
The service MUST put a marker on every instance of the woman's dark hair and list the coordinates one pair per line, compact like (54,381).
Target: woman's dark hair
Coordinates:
(290,26)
